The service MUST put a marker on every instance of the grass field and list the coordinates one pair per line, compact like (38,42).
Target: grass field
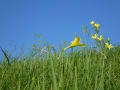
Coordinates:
(77,70)
(50,69)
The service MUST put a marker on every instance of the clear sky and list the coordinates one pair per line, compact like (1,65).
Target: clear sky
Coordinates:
(55,20)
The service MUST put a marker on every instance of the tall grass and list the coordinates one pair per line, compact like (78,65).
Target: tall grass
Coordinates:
(50,69)
(85,69)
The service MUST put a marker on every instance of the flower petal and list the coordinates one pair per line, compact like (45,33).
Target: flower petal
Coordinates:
(82,45)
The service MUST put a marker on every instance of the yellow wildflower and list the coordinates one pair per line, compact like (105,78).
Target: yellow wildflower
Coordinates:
(94,36)
(108,39)
(97,26)
(92,23)
(100,38)
(109,46)
(75,43)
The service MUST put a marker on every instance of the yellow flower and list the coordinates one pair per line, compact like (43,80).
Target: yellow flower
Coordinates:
(109,46)
(97,26)
(94,36)
(100,38)
(92,23)
(75,43)
(108,39)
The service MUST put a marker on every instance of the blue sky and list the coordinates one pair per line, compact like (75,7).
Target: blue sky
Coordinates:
(55,20)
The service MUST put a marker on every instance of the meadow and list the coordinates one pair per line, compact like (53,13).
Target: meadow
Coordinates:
(68,68)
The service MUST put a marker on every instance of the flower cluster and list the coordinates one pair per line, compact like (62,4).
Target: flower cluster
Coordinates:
(95,37)
(95,25)
(100,39)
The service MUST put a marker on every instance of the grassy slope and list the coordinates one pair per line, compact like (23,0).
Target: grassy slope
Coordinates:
(79,70)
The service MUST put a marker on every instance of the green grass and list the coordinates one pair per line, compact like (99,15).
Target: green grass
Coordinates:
(85,69)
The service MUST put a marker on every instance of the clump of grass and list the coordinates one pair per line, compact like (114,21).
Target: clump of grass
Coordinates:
(49,69)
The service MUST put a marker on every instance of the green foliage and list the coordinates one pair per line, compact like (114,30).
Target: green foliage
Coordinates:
(85,69)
